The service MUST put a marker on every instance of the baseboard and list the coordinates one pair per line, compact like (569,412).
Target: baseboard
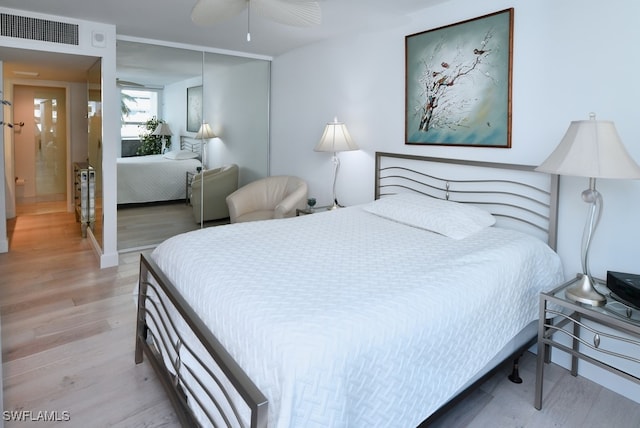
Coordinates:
(106,260)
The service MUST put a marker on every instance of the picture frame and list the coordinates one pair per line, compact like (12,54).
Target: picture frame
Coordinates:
(194,108)
(458,83)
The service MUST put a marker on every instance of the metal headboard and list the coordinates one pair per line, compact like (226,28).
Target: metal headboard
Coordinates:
(517,195)
(191,144)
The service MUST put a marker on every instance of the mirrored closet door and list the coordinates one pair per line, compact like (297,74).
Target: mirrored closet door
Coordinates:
(228,95)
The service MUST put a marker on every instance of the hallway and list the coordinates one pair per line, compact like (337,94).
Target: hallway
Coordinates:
(68,329)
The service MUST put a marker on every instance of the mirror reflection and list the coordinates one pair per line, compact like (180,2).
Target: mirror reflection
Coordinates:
(186,114)
(94,148)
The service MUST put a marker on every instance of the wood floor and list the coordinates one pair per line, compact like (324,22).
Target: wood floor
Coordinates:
(68,344)
(68,331)
(145,226)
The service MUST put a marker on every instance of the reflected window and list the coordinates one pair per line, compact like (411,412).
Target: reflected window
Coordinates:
(137,107)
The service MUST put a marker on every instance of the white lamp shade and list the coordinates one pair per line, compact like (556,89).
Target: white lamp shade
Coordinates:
(335,138)
(205,132)
(162,129)
(591,148)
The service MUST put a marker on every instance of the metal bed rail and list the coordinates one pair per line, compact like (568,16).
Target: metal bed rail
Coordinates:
(182,376)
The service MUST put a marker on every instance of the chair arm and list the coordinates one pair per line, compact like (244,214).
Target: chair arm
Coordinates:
(245,199)
(218,184)
(297,199)
(218,176)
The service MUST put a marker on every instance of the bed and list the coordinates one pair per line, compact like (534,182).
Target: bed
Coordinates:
(157,178)
(371,315)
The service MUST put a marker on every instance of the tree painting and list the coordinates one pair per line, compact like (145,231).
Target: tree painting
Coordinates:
(458,83)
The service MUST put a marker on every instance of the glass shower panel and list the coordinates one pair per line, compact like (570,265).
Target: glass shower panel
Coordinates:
(51,135)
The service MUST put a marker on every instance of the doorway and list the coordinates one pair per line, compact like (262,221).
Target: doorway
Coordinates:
(40,143)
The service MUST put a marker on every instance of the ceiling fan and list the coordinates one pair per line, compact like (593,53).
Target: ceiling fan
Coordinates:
(128,84)
(135,85)
(297,13)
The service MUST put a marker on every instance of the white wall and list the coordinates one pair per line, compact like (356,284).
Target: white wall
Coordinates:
(236,105)
(174,108)
(570,58)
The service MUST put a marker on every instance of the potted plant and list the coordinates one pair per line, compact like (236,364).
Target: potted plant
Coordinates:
(151,144)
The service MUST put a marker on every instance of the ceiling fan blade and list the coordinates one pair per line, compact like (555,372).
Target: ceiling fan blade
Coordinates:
(128,84)
(208,12)
(297,13)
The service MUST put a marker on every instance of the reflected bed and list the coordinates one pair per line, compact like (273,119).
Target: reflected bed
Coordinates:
(157,178)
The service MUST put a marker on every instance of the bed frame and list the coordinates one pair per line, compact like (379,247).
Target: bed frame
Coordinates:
(191,144)
(517,195)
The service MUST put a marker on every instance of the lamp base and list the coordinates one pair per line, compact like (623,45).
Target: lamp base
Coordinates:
(335,205)
(583,291)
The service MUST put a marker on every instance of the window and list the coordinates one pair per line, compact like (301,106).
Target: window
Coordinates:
(137,107)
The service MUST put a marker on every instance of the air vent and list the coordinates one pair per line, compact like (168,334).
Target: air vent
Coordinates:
(44,30)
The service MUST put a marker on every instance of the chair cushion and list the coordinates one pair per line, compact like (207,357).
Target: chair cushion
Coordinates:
(255,215)
(277,195)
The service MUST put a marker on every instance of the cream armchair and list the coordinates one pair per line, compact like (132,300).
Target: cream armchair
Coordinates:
(218,184)
(267,198)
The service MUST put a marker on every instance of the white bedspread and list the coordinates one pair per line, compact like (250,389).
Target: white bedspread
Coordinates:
(345,319)
(152,178)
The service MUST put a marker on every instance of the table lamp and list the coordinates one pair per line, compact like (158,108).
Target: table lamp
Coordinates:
(335,139)
(204,133)
(164,131)
(590,148)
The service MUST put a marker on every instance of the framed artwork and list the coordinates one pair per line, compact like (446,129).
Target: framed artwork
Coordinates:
(458,83)
(194,108)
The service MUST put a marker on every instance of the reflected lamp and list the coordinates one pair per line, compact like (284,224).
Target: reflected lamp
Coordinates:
(204,133)
(164,131)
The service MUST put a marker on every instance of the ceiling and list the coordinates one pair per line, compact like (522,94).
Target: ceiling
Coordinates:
(169,20)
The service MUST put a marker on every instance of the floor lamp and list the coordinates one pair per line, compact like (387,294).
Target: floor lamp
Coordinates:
(590,148)
(335,139)
(204,133)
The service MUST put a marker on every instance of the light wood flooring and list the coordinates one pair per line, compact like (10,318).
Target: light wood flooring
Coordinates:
(68,345)
(68,331)
(145,226)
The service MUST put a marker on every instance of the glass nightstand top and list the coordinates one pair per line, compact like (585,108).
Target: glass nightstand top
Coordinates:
(612,307)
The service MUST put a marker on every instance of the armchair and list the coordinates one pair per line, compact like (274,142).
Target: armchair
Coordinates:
(267,198)
(218,184)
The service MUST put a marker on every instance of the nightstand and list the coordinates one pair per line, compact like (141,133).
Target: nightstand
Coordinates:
(309,210)
(187,186)
(562,317)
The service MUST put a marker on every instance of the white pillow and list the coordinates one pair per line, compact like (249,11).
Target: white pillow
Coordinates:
(452,219)
(180,154)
